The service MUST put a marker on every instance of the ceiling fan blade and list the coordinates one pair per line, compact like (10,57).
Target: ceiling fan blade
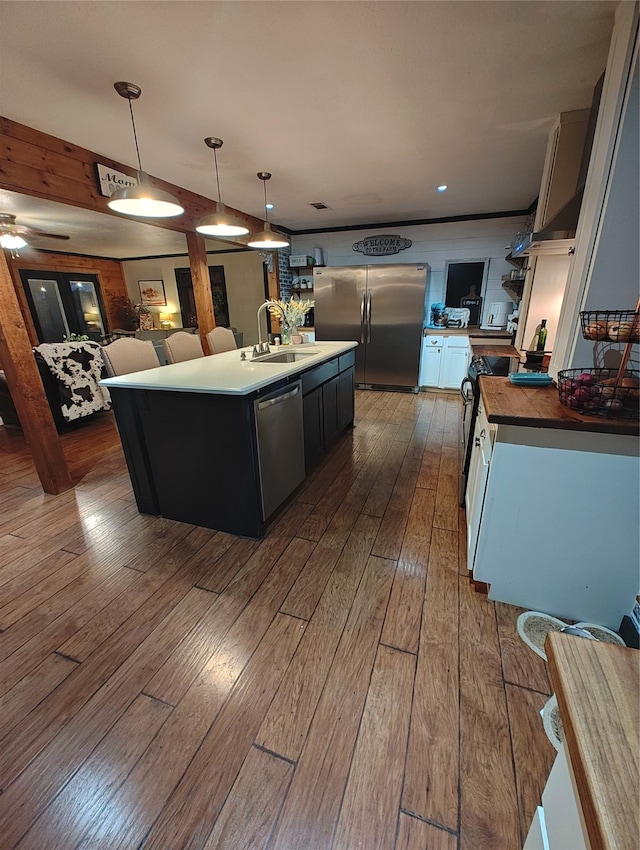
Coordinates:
(48,235)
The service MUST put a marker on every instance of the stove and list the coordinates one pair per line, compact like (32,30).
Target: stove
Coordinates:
(493,365)
(470,390)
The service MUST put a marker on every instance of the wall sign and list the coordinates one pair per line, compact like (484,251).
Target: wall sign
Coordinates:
(379,246)
(110,180)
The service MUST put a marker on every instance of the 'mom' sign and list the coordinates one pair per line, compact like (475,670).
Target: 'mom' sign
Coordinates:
(377,246)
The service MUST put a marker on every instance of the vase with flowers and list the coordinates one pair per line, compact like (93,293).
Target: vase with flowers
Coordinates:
(291,314)
(145,319)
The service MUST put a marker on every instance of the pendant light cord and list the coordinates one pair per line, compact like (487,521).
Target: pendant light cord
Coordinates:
(266,211)
(215,159)
(135,135)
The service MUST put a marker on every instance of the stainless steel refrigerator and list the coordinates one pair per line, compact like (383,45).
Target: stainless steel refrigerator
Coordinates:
(382,308)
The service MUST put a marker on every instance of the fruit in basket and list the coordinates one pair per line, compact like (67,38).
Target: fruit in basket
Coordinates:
(596,330)
(582,394)
(586,378)
(612,405)
(619,331)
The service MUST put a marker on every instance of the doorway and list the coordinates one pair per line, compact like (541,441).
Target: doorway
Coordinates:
(218,294)
(62,304)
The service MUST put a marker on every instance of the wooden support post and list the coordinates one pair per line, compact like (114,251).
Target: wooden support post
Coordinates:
(27,392)
(201,285)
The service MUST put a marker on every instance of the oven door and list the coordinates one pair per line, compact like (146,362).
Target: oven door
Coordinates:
(470,392)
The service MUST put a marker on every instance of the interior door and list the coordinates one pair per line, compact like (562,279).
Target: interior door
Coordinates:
(339,293)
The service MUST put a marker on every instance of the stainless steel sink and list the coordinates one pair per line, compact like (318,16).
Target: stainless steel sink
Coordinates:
(284,357)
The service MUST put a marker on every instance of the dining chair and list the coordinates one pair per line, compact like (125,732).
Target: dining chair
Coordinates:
(126,355)
(182,346)
(221,339)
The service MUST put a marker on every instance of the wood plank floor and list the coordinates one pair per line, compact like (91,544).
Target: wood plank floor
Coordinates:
(337,685)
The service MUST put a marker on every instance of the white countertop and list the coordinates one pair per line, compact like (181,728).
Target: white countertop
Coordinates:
(226,373)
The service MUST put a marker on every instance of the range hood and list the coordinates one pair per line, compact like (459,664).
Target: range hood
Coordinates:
(558,232)
(558,235)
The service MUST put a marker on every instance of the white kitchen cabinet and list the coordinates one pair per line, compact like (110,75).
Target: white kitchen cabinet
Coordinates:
(445,360)
(455,362)
(477,480)
(432,347)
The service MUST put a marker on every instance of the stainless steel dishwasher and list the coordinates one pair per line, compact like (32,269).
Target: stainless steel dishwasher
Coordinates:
(280,437)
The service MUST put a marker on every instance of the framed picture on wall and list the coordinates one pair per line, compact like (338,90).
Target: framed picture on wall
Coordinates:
(152,293)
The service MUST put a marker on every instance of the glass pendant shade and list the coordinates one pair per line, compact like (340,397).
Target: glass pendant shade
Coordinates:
(144,199)
(268,239)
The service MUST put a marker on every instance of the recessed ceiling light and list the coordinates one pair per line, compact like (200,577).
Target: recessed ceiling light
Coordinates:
(442,188)
(269,206)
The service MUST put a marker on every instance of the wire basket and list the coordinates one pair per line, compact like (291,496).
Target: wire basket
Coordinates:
(596,392)
(610,325)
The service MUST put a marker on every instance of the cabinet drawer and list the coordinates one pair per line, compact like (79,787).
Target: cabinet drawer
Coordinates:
(433,341)
(314,377)
(457,342)
(346,360)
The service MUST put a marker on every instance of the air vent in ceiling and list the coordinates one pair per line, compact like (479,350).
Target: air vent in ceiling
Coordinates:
(319,206)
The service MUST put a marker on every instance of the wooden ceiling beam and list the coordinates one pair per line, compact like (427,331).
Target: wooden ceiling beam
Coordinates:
(43,166)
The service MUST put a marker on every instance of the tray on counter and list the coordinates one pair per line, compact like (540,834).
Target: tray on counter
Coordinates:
(531,379)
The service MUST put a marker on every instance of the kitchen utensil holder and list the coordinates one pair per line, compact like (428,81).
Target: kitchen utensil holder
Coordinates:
(598,402)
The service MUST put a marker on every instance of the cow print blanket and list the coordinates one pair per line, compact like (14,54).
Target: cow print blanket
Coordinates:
(78,368)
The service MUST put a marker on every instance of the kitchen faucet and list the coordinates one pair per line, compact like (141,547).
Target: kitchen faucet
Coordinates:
(263,348)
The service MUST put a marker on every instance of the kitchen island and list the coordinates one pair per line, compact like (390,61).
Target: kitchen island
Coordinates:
(222,441)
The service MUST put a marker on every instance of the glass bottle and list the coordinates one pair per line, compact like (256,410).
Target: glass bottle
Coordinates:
(542,335)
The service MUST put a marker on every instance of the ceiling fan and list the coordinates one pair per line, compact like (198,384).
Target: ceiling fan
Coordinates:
(14,235)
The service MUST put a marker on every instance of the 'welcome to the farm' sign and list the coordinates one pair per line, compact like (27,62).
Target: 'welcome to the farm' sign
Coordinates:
(378,246)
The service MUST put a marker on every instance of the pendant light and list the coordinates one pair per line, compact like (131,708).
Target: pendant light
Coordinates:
(220,223)
(143,199)
(267,238)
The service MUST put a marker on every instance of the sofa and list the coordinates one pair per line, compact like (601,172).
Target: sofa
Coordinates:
(70,372)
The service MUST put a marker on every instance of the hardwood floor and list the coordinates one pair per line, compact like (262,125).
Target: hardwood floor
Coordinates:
(337,685)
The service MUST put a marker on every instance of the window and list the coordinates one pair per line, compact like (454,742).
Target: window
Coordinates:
(62,304)
(218,294)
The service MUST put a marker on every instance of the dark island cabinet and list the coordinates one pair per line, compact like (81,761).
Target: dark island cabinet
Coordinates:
(328,404)
(313,427)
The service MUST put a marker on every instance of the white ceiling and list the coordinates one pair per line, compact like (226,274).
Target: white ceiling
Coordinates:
(365,106)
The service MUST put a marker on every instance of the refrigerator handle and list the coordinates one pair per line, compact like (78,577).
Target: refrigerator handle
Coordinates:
(362,339)
(369,316)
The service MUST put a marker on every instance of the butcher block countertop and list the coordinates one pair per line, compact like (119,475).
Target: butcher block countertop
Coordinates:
(474,332)
(539,407)
(488,350)
(597,686)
